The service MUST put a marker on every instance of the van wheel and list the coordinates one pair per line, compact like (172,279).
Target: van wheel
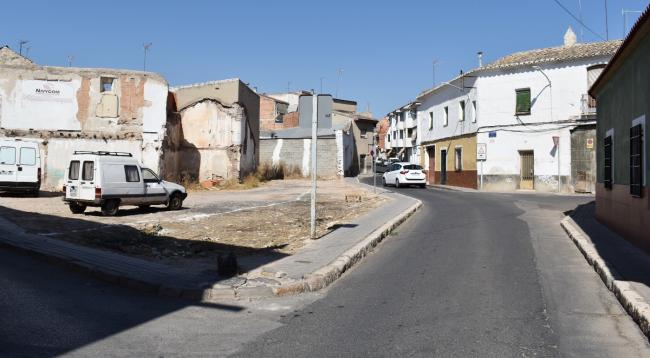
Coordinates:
(175,202)
(77,208)
(110,207)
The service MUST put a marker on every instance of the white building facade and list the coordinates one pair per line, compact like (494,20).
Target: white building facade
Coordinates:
(402,138)
(528,111)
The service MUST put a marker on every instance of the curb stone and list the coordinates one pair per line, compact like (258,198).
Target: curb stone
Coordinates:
(635,305)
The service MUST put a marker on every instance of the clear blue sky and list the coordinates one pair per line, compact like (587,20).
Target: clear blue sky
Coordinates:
(384,47)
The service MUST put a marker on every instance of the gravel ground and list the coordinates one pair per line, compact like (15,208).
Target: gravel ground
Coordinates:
(270,220)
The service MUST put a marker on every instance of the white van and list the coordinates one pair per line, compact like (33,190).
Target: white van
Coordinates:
(20,166)
(111,179)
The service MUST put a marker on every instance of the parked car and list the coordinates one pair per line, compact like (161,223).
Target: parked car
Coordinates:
(404,174)
(381,166)
(112,179)
(20,166)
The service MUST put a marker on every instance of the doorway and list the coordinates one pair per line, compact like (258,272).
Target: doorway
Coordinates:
(527,161)
(432,164)
(443,166)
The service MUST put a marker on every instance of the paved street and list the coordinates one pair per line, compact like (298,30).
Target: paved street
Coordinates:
(471,274)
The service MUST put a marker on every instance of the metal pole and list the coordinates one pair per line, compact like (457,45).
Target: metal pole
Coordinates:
(559,177)
(314,138)
(606,23)
(482,174)
(374,168)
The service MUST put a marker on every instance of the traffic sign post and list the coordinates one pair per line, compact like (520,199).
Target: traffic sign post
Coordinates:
(481,155)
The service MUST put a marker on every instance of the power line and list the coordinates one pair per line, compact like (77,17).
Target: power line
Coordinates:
(578,20)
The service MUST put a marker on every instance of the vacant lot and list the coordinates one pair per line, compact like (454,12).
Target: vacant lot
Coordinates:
(267,222)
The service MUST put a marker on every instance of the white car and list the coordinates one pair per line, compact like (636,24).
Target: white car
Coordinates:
(112,179)
(20,166)
(404,174)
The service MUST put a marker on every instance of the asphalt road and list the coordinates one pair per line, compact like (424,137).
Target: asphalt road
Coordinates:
(471,274)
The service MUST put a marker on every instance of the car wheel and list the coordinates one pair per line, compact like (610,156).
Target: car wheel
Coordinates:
(110,207)
(397,183)
(423,186)
(77,208)
(383,181)
(175,202)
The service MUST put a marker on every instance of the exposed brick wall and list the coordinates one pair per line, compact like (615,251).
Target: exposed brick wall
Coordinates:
(463,178)
(382,129)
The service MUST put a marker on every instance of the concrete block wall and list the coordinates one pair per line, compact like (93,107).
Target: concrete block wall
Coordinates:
(297,153)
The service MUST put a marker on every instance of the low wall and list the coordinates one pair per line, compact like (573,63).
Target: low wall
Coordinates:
(297,153)
(627,215)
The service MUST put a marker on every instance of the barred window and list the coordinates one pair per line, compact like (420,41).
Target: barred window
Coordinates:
(607,175)
(636,160)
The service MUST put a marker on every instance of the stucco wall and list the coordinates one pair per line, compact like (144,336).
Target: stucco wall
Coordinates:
(209,141)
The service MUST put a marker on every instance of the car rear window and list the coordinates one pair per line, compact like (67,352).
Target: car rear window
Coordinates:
(27,156)
(7,155)
(412,167)
(73,172)
(88,171)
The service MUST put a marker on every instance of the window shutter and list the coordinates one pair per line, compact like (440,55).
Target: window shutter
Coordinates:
(636,160)
(607,177)
(523,101)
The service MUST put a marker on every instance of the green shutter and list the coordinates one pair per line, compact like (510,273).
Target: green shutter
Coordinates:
(523,101)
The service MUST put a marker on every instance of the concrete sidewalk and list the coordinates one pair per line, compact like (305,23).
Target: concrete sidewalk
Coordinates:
(314,267)
(624,268)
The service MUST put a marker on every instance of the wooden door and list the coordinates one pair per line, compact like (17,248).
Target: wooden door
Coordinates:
(443,167)
(432,165)
(527,170)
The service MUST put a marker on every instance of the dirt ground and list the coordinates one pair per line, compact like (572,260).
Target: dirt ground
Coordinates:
(270,220)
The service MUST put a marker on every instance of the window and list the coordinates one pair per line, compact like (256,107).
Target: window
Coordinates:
(459,159)
(106,84)
(88,172)
(402,116)
(27,156)
(636,160)
(412,167)
(401,134)
(523,101)
(607,175)
(474,116)
(73,172)
(149,177)
(430,120)
(445,118)
(132,173)
(7,155)
(461,111)
(389,137)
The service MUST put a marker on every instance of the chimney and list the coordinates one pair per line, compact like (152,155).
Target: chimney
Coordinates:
(570,38)
(480,58)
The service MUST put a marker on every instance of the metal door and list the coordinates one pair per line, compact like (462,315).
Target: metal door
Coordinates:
(8,166)
(443,167)
(527,170)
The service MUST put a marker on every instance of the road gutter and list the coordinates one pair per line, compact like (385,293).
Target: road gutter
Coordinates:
(635,305)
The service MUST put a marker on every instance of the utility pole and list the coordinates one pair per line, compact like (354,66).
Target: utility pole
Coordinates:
(288,86)
(146,47)
(338,81)
(21,44)
(70,59)
(624,13)
(582,27)
(606,23)
(314,138)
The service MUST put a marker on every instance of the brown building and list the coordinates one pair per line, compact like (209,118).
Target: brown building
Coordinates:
(453,161)
(382,128)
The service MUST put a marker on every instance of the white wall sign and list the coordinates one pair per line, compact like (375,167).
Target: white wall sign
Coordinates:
(481,151)
(48,91)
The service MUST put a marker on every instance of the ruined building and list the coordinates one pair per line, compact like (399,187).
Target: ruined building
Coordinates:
(68,109)
(212,132)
